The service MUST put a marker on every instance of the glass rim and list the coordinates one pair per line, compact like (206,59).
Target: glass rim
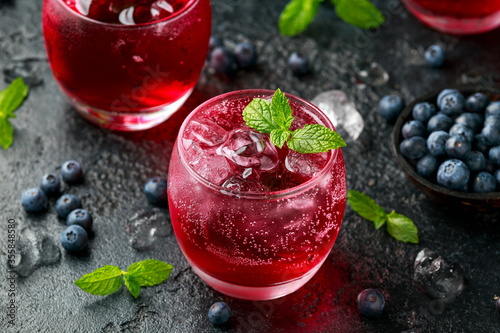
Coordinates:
(262,195)
(188,7)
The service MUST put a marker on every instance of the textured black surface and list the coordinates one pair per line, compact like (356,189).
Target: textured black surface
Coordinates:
(48,132)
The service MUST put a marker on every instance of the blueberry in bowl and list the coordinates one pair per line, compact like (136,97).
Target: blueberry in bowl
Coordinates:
(460,163)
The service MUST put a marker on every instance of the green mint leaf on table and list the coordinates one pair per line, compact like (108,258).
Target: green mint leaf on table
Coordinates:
(360,13)
(6,133)
(279,137)
(402,228)
(314,138)
(398,226)
(108,279)
(297,16)
(10,99)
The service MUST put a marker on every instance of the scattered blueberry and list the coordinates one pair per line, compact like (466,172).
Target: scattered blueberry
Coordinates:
(413,128)
(477,102)
(156,191)
(458,146)
(219,313)
(50,185)
(34,200)
(223,61)
(370,303)
(434,56)
(413,147)
(74,238)
(492,110)
(436,143)
(494,155)
(71,172)
(427,166)
(453,174)
(298,64)
(452,104)
(473,120)
(444,93)
(423,112)
(461,129)
(80,217)
(439,122)
(390,106)
(246,56)
(66,204)
(475,161)
(213,43)
(484,182)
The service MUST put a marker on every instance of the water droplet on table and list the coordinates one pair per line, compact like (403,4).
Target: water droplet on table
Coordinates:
(372,74)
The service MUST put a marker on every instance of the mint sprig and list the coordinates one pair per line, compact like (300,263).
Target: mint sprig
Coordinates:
(298,14)
(398,226)
(10,99)
(275,117)
(108,279)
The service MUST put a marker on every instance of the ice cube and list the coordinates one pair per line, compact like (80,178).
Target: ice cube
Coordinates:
(372,74)
(145,226)
(436,277)
(306,165)
(214,168)
(205,133)
(239,184)
(250,149)
(342,112)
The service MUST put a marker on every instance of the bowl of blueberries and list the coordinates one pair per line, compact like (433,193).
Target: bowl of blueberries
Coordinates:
(448,144)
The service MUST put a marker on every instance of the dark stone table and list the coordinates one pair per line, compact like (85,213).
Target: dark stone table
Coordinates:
(48,132)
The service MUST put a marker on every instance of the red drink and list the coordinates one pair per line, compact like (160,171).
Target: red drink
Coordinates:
(127,65)
(254,221)
(457,16)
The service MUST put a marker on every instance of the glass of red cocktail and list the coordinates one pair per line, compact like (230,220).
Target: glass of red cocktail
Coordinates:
(459,17)
(126,64)
(254,221)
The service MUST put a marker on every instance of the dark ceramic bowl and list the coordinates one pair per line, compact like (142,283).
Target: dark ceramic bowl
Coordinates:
(465,200)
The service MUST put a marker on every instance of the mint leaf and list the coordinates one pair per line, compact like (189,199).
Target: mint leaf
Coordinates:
(132,285)
(360,13)
(149,272)
(279,137)
(314,138)
(402,228)
(257,114)
(297,15)
(12,97)
(103,281)
(281,112)
(367,208)
(6,133)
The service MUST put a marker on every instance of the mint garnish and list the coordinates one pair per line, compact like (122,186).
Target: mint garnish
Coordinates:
(298,14)
(108,279)
(10,99)
(398,226)
(275,117)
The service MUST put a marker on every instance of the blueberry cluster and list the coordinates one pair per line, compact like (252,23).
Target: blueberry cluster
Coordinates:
(68,206)
(457,143)
(226,61)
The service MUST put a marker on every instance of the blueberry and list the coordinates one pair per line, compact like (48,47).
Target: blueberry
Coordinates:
(66,204)
(473,120)
(436,143)
(461,129)
(219,313)
(480,144)
(477,102)
(413,147)
(390,106)
(423,112)
(484,182)
(213,43)
(444,93)
(491,133)
(298,64)
(494,155)
(50,185)
(490,120)
(458,146)
(80,217)
(434,56)
(370,303)
(439,122)
(246,56)
(74,238)
(156,191)
(223,61)
(497,178)
(476,161)
(427,166)
(490,167)
(71,172)
(34,200)
(453,174)
(413,128)
(452,104)
(492,110)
